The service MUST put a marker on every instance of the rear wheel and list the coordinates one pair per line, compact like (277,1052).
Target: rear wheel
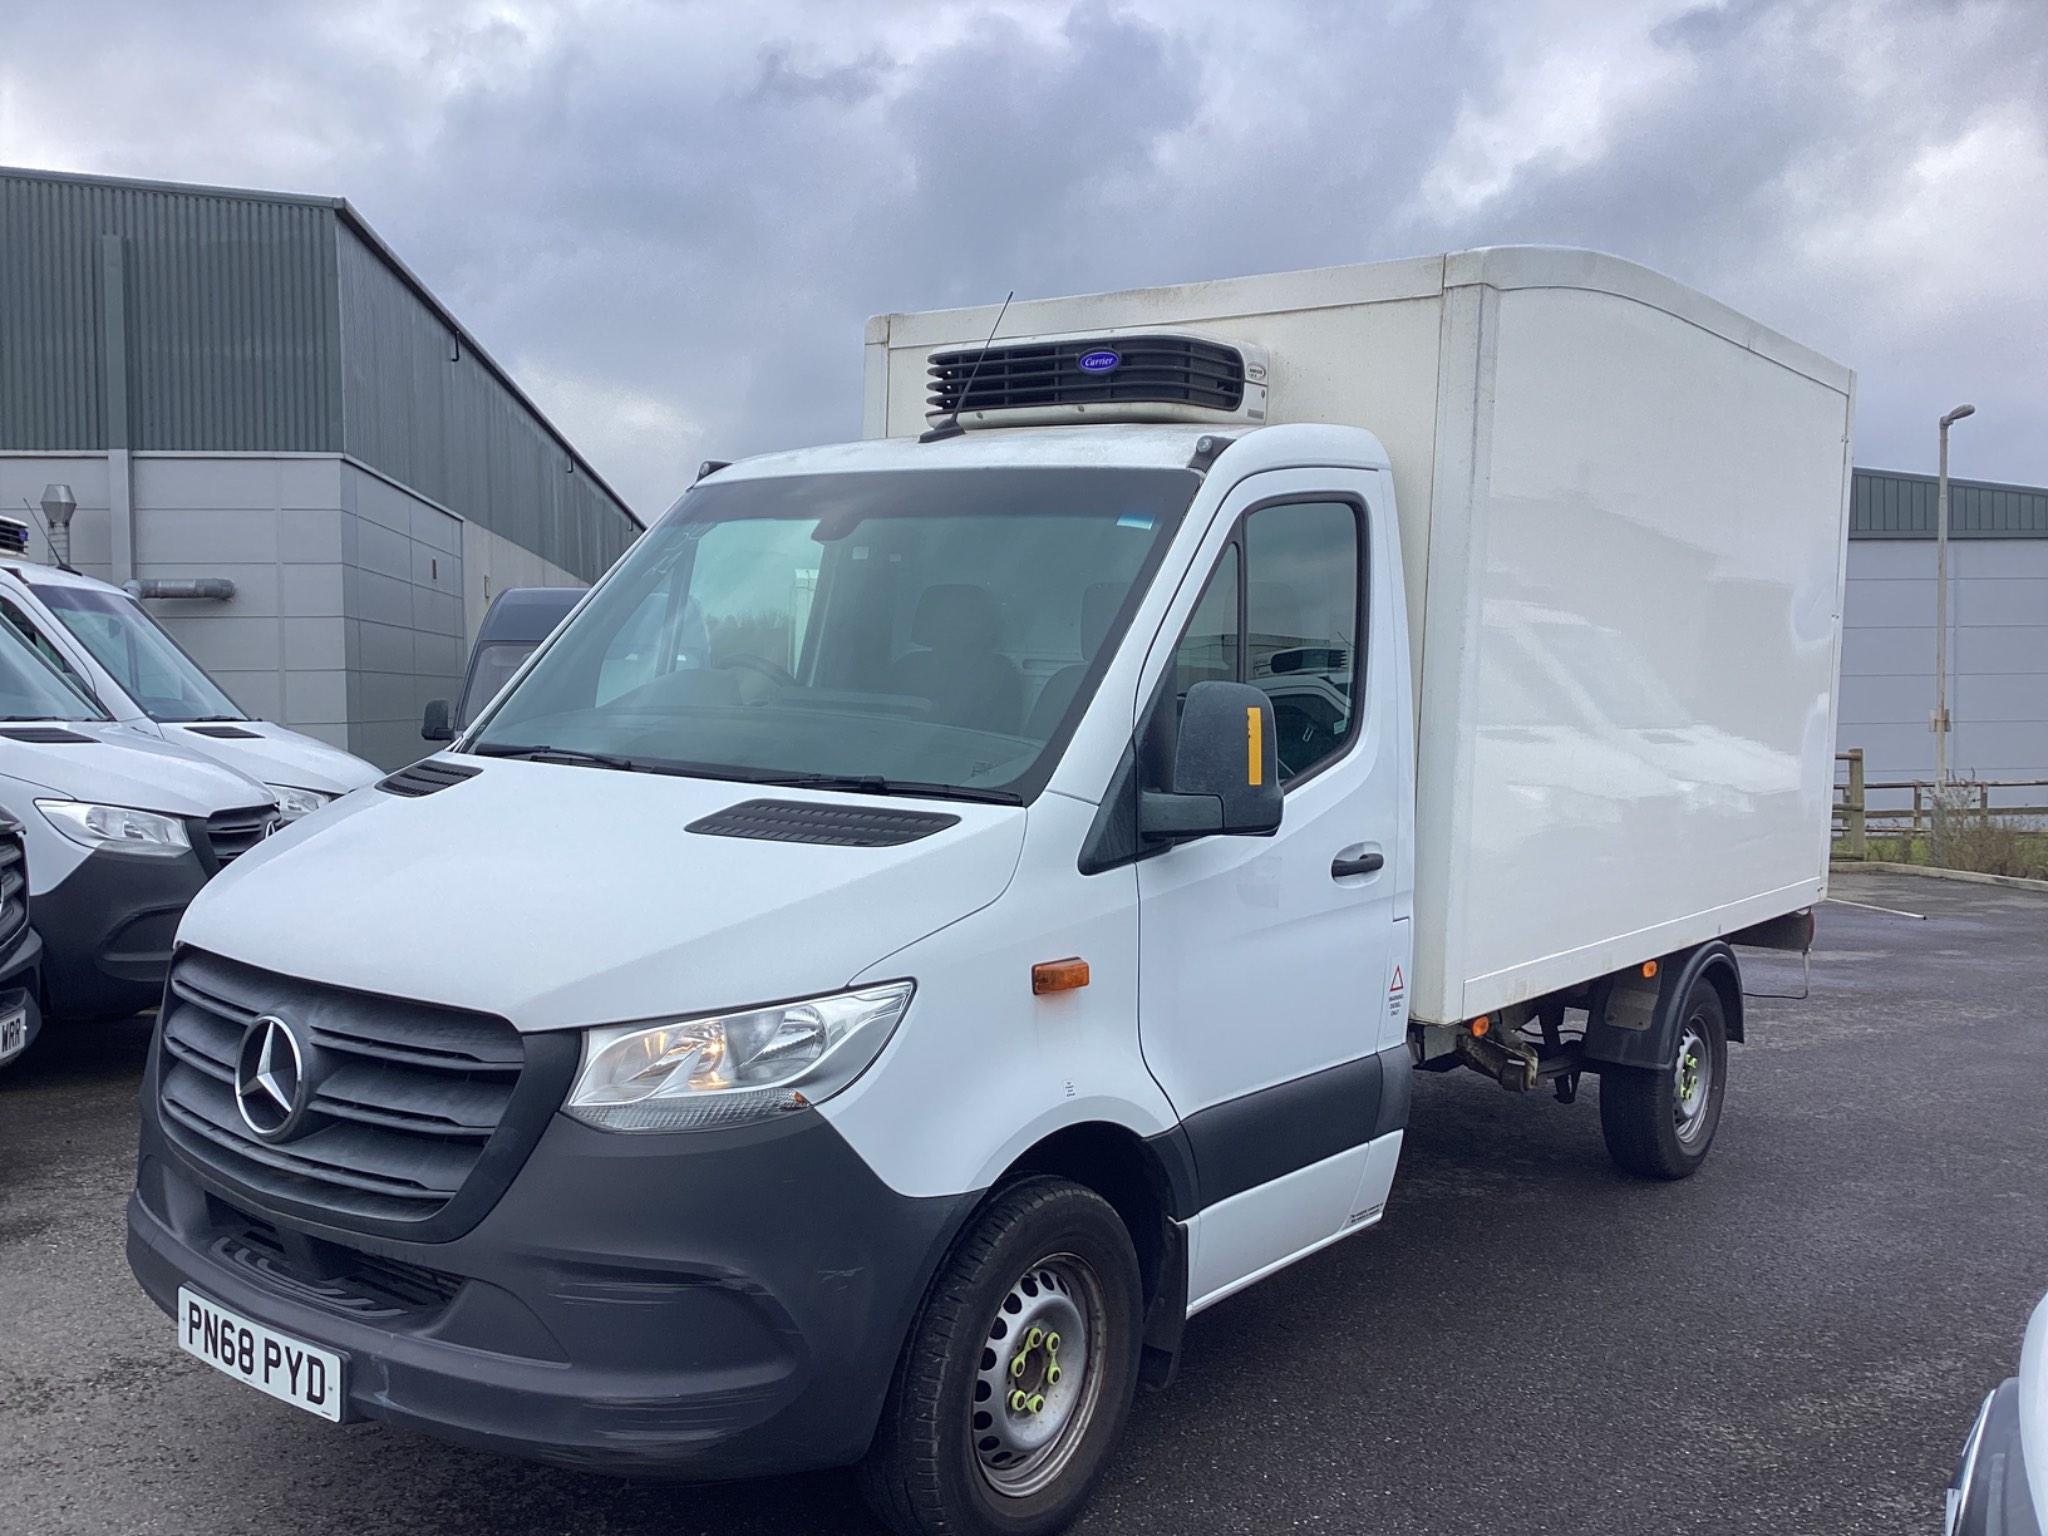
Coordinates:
(1660,1121)
(1018,1374)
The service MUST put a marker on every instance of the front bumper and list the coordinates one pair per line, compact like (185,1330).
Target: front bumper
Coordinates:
(21,984)
(705,1305)
(108,928)
(1990,1494)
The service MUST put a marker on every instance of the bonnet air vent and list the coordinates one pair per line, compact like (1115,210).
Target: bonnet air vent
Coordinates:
(426,777)
(1183,371)
(45,735)
(839,826)
(224,732)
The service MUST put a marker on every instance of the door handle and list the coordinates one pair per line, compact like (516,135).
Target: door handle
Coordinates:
(1343,867)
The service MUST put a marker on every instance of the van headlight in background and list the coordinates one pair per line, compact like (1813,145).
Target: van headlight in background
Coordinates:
(730,1068)
(116,826)
(295,802)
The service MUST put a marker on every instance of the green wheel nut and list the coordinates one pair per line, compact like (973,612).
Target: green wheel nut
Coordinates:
(1018,1402)
(1038,1403)
(1017,1364)
(1052,1375)
(1034,1338)
(1052,1342)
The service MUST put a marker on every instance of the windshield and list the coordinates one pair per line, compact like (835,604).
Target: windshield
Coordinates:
(937,631)
(488,672)
(164,682)
(32,689)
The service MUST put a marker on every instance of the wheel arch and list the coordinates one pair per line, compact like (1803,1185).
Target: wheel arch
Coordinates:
(1725,973)
(1149,1182)
(1611,1041)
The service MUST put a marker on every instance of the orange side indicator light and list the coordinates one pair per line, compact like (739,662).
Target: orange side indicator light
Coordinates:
(1649,969)
(1059,975)
(1480,1026)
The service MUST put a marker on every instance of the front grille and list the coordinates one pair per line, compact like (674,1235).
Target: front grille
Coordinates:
(342,1279)
(230,834)
(13,884)
(1177,370)
(407,1100)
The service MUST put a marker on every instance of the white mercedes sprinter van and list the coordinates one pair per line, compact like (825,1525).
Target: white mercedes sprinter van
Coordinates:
(951,907)
(120,832)
(107,642)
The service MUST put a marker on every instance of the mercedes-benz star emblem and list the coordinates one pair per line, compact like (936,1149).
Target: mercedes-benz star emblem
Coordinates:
(270,1079)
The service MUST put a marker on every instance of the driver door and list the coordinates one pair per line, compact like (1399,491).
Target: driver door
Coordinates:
(1264,963)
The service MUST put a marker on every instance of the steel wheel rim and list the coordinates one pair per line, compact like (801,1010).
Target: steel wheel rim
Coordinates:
(1043,1346)
(1692,1081)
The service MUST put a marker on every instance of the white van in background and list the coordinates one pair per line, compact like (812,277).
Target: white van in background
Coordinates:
(106,641)
(121,830)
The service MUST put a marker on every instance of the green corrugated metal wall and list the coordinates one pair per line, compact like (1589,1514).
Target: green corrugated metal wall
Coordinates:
(225,301)
(265,324)
(1891,504)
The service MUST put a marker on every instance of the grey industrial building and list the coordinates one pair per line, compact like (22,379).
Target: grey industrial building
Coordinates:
(253,386)
(1998,616)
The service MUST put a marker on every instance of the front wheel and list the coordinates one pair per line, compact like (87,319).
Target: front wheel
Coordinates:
(1660,1121)
(1018,1374)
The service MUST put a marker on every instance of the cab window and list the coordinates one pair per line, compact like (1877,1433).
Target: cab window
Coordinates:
(26,628)
(1283,612)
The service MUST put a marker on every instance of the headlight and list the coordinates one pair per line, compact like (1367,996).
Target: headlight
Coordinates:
(295,802)
(116,826)
(730,1068)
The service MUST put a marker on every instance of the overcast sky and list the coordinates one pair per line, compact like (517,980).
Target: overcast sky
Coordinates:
(670,220)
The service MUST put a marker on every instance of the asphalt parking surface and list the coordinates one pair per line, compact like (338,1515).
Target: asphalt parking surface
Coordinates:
(1794,1341)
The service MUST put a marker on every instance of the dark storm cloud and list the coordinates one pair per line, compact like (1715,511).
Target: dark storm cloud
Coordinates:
(671,219)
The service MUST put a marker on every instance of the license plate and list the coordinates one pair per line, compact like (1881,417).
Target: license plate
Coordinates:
(13,1032)
(292,1372)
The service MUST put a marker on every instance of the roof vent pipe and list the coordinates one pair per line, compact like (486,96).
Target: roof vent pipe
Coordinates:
(213,589)
(58,505)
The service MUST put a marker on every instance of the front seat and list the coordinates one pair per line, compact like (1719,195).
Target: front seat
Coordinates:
(1098,611)
(959,669)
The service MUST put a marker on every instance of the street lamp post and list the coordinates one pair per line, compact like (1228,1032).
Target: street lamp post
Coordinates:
(1941,611)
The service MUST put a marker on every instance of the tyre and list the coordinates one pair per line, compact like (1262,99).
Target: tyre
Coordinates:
(1018,1373)
(1659,1122)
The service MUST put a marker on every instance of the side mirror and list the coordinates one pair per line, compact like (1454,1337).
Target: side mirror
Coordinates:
(1225,774)
(434,726)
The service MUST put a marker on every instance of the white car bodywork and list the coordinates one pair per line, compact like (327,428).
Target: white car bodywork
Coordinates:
(117,767)
(269,753)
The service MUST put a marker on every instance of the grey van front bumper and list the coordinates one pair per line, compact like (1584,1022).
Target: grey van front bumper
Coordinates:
(107,931)
(706,1305)
(21,984)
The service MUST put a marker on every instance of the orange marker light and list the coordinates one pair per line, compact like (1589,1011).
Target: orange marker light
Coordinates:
(1059,975)
(1649,969)
(1480,1026)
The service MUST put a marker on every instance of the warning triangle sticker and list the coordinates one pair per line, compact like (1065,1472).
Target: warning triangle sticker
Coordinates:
(1396,984)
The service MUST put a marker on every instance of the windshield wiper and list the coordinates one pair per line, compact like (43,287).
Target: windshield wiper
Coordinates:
(876,784)
(542,754)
